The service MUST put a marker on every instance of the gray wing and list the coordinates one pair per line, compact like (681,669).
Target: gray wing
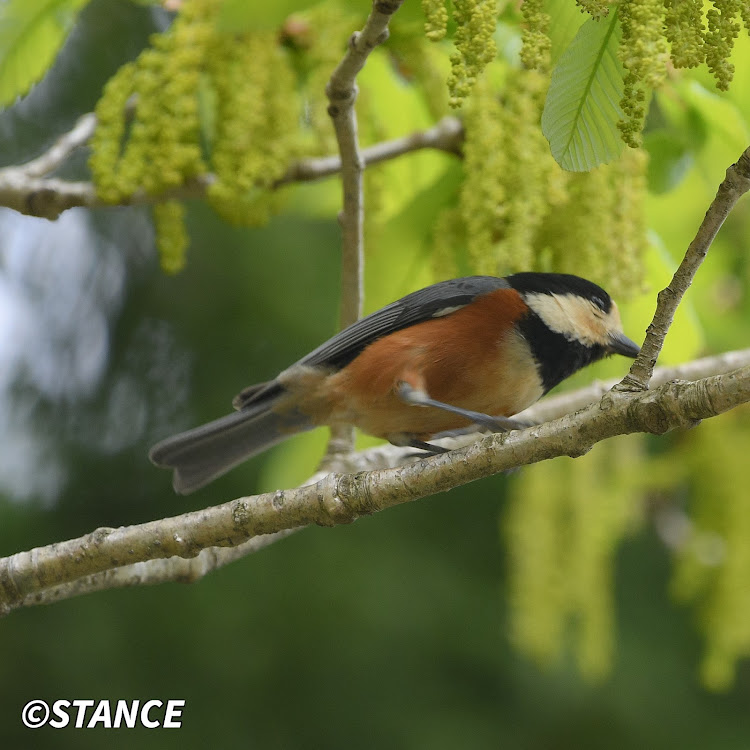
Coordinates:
(434,301)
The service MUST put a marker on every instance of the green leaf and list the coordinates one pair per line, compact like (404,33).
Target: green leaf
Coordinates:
(583,102)
(669,160)
(565,20)
(31,33)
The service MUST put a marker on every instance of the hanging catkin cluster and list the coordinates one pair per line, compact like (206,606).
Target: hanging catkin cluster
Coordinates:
(474,40)
(197,101)
(653,33)
(564,522)
(712,562)
(518,210)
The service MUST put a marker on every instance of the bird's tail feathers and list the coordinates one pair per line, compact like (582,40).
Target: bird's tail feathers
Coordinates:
(204,453)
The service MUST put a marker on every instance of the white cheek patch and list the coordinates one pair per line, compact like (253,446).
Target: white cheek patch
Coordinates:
(574,317)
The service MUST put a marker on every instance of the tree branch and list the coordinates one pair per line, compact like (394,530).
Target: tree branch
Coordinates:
(132,555)
(189,570)
(342,94)
(553,407)
(446,135)
(47,198)
(735,185)
(57,154)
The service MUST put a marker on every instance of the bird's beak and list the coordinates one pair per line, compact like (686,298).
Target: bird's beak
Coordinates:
(619,343)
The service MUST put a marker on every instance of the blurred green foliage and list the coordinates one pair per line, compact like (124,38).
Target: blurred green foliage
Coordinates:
(622,574)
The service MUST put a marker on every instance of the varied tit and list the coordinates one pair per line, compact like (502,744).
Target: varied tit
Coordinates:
(475,350)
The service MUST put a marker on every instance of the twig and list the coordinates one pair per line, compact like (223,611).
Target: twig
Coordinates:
(151,572)
(58,153)
(342,498)
(342,94)
(553,407)
(735,185)
(446,135)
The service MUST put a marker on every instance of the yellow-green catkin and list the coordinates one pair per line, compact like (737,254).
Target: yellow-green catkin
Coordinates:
(197,102)
(483,197)
(510,174)
(436,19)
(474,40)
(449,245)
(745,15)
(536,44)
(643,53)
(519,211)
(683,26)
(564,523)
(595,8)
(256,120)
(614,255)
(723,28)
(171,236)
(624,206)
(537,593)
(157,146)
(712,565)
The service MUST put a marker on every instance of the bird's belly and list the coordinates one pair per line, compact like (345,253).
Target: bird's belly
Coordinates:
(494,377)
(388,414)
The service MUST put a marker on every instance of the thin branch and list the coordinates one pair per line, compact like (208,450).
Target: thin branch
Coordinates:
(59,152)
(553,407)
(151,572)
(25,189)
(342,94)
(48,197)
(342,498)
(735,185)
(446,135)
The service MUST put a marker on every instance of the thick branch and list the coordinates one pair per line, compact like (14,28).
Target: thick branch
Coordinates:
(342,498)
(735,185)
(188,570)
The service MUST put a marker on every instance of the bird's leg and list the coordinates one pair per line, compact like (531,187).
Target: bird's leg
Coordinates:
(416,397)
(405,440)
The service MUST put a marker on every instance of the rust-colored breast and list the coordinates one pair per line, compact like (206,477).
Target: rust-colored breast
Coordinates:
(473,358)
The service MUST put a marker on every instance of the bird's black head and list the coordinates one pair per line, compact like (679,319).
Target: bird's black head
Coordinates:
(571,323)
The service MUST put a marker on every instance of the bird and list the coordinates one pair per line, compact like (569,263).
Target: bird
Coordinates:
(469,351)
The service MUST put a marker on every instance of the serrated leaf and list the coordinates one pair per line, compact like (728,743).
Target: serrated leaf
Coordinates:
(31,33)
(583,102)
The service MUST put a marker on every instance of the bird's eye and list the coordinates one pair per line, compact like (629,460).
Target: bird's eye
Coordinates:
(599,302)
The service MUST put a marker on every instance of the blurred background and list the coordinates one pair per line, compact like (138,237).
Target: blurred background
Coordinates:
(553,608)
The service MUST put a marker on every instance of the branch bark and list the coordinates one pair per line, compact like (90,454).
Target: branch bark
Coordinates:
(107,558)
(734,186)
(342,94)
(28,192)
